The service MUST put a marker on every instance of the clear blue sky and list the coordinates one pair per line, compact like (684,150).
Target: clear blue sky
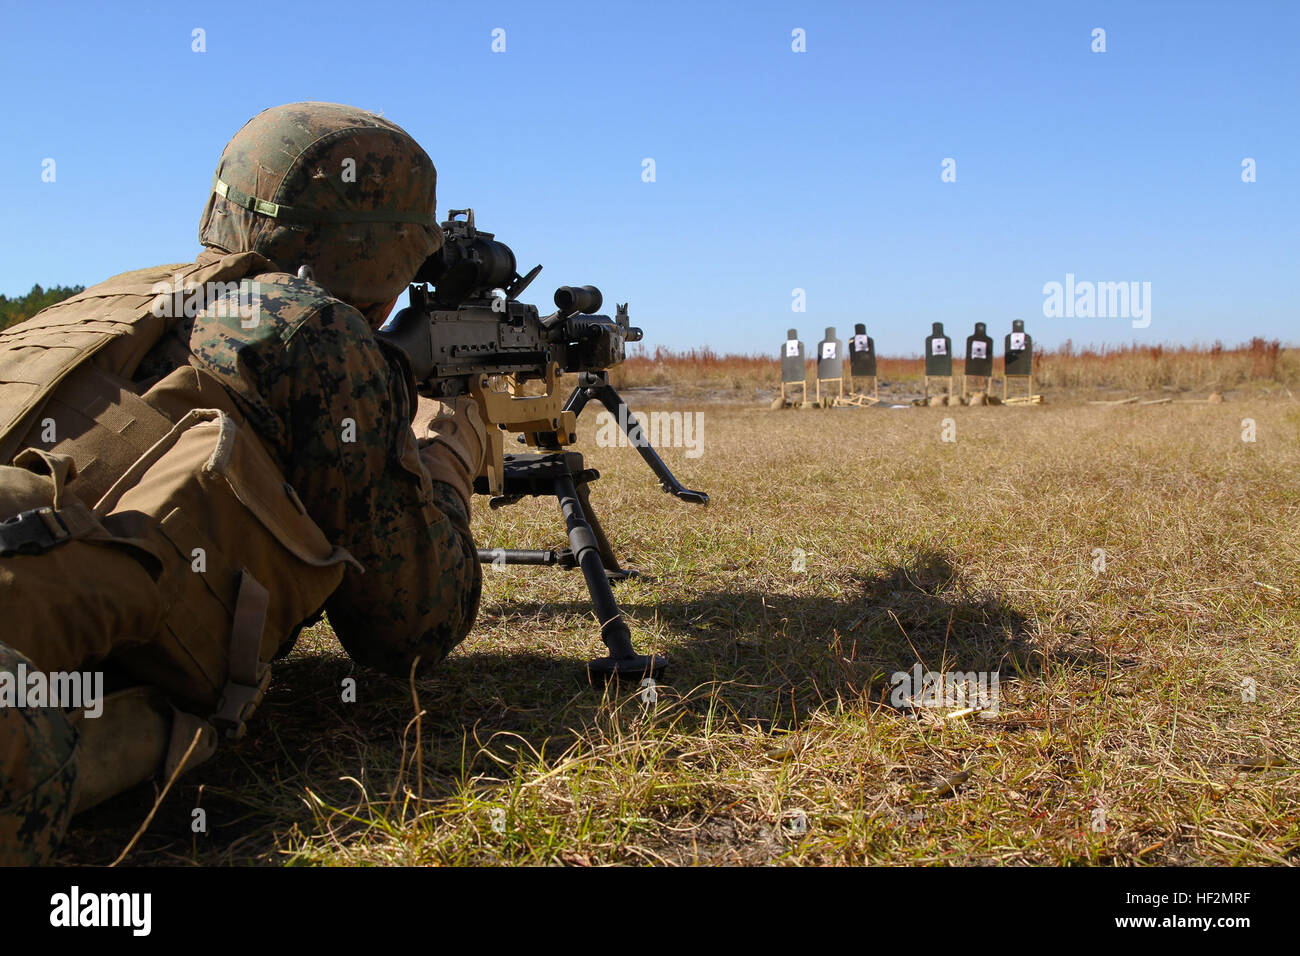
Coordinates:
(775,170)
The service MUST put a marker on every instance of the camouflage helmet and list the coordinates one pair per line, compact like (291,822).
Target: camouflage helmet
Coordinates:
(333,187)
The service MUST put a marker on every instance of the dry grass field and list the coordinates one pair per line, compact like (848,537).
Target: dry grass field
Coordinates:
(1130,573)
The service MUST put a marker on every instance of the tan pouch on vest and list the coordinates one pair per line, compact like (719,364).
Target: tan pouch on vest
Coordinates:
(243,564)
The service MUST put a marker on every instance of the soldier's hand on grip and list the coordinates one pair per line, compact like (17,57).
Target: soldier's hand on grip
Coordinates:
(452,441)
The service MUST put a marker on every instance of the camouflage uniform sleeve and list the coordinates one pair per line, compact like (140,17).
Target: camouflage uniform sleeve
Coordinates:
(38,771)
(337,414)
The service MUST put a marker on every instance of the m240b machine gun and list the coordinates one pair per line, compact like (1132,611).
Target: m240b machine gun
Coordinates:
(466,332)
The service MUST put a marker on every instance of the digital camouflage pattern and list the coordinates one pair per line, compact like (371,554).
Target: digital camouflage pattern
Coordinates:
(37,775)
(334,409)
(325,161)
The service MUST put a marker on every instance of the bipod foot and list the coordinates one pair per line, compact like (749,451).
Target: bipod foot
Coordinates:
(626,574)
(626,669)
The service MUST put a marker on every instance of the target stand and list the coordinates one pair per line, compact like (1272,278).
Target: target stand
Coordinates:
(828,381)
(1029,386)
(979,361)
(830,366)
(803,386)
(938,359)
(872,384)
(940,378)
(1018,361)
(862,366)
(984,383)
(793,370)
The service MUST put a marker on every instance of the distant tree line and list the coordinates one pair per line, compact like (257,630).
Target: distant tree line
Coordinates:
(22,307)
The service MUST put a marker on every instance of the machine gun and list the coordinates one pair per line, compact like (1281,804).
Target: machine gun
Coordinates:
(465,332)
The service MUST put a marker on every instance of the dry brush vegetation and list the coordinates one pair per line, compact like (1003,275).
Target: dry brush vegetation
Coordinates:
(1259,363)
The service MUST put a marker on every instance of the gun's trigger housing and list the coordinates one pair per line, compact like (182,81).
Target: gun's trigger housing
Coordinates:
(544,421)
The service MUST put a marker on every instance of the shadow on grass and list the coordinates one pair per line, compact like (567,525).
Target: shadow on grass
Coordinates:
(811,650)
(773,659)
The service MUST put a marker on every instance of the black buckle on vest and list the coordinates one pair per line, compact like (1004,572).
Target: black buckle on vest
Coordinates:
(32,532)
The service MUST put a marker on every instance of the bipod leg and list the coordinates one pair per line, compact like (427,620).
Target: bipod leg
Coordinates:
(596,385)
(622,662)
(613,570)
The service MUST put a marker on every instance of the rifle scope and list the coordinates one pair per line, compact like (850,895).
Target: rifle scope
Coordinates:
(468,266)
(571,300)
